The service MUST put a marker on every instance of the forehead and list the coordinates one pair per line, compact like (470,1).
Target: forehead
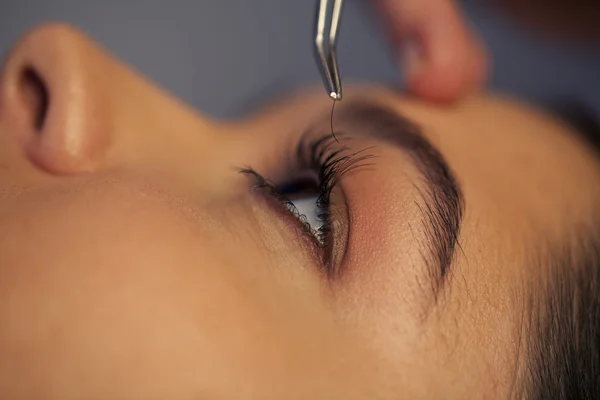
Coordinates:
(530,183)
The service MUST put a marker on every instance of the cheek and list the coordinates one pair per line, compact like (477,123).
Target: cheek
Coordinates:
(144,303)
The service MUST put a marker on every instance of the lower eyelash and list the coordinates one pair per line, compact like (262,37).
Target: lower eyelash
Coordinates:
(264,184)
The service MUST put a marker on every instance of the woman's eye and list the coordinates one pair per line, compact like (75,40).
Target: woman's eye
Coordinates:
(302,195)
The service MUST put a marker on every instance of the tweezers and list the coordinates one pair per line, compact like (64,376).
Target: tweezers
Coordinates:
(328,16)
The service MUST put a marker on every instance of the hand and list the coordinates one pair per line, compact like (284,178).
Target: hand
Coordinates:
(441,57)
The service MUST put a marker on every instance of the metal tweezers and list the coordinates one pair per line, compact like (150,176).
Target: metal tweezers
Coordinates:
(328,16)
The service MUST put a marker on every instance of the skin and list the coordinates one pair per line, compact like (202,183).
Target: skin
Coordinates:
(136,263)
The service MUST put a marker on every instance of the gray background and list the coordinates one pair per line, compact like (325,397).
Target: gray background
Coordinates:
(222,55)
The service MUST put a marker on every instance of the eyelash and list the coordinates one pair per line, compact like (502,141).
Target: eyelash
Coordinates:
(329,161)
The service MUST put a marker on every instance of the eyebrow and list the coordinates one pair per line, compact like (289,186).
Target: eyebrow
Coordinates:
(443,202)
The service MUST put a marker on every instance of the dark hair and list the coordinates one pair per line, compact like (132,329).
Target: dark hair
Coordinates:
(563,340)
(563,333)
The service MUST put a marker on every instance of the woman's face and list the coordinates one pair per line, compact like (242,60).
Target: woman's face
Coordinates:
(137,261)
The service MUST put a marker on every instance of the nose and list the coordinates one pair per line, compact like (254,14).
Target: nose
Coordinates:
(50,99)
(71,106)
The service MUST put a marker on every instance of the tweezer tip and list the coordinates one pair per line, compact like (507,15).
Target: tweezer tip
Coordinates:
(335,96)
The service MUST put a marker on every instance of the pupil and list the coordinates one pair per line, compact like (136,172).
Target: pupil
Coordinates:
(298,188)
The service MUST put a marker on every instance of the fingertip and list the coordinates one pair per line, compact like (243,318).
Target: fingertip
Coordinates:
(448,72)
(442,58)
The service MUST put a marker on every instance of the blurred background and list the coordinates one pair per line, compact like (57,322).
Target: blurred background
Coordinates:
(221,56)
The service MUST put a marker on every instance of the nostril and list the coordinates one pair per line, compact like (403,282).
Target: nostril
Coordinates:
(35,96)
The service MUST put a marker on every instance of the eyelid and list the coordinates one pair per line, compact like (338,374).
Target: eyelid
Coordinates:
(341,232)
(443,198)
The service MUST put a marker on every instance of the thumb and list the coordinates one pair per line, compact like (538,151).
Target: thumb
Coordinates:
(442,58)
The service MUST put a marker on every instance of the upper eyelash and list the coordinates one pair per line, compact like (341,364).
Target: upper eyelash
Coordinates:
(330,165)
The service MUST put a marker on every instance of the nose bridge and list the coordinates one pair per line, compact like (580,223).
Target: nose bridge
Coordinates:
(73,106)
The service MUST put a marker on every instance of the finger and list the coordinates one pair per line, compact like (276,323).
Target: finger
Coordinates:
(441,57)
